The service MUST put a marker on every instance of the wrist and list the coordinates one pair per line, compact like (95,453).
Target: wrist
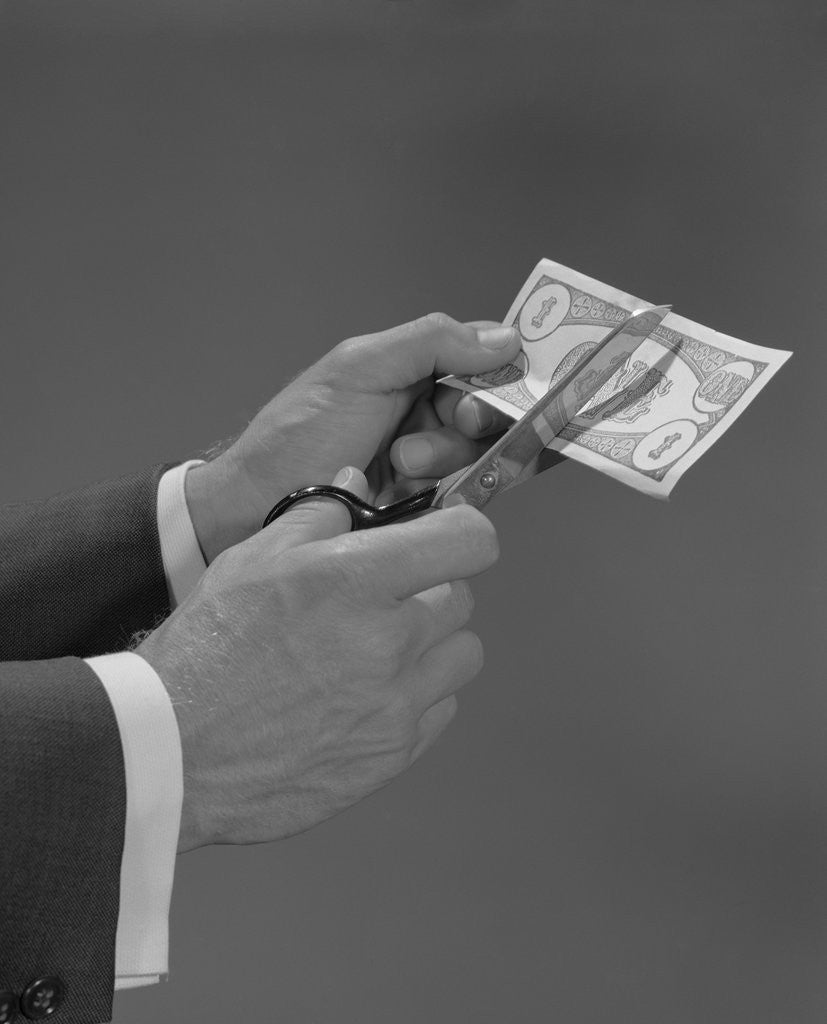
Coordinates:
(177,673)
(216,508)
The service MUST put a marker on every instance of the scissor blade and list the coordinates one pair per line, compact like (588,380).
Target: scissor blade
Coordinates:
(519,453)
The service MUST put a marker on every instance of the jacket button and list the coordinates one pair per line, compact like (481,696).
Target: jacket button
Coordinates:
(8,1007)
(42,997)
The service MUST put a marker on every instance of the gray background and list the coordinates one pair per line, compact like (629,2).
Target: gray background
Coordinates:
(628,819)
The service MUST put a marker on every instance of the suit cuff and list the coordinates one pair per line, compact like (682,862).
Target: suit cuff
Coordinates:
(154,792)
(183,562)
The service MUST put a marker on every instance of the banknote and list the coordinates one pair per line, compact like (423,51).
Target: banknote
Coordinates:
(661,408)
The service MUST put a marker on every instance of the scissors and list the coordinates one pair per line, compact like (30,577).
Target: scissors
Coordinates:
(520,453)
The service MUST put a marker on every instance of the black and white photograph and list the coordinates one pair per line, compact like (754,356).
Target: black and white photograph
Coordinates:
(412,550)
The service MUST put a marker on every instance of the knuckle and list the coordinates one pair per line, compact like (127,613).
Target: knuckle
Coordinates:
(436,321)
(431,725)
(336,573)
(295,572)
(473,654)
(338,570)
(291,562)
(305,579)
(418,622)
(450,705)
(463,598)
(348,356)
(401,710)
(347,348)
(385,646)
(388,658)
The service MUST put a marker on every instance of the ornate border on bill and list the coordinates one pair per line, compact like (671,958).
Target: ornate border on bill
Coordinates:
(663,407)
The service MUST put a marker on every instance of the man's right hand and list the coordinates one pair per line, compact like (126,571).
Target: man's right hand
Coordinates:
(311,666)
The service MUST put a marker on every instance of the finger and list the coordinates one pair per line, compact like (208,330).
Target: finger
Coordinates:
(439,612)
(476,418)
(319,519)
(450,665)
(434,453)
(404,487)
(433,345)
(403,559)
(432,724)
(445,401)
(446,668)
(422,416)
(468,412)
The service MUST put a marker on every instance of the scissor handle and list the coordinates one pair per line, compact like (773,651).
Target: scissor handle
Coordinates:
(362,515)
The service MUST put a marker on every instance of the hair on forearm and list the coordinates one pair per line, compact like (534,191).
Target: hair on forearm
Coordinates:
(217,448)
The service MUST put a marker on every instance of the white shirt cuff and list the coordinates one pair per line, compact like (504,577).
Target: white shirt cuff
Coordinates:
(154,786)
(183,562)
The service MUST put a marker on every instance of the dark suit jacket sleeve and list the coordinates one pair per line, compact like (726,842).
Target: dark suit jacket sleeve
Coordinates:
(79,575)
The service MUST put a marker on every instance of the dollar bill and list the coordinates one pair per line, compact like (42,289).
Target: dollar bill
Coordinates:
(663,406)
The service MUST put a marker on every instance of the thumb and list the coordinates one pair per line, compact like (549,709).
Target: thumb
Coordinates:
(318,519)
(435,345)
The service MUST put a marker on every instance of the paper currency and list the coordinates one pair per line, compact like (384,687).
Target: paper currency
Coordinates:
(664,405)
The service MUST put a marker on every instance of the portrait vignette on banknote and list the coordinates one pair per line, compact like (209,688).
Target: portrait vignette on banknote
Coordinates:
(662,408)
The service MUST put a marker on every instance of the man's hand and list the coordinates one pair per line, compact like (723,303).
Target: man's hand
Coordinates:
(308,668)
(371,403)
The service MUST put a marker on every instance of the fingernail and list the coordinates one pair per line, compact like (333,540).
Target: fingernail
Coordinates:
(495,338)
(484,415)
(342,478)
(416,453)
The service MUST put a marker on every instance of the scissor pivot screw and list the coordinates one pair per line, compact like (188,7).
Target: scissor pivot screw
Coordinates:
(488,480)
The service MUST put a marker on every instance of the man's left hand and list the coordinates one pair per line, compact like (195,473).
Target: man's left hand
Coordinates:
(371,402)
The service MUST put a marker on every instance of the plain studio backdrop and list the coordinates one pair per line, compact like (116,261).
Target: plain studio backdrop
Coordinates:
(627,821)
